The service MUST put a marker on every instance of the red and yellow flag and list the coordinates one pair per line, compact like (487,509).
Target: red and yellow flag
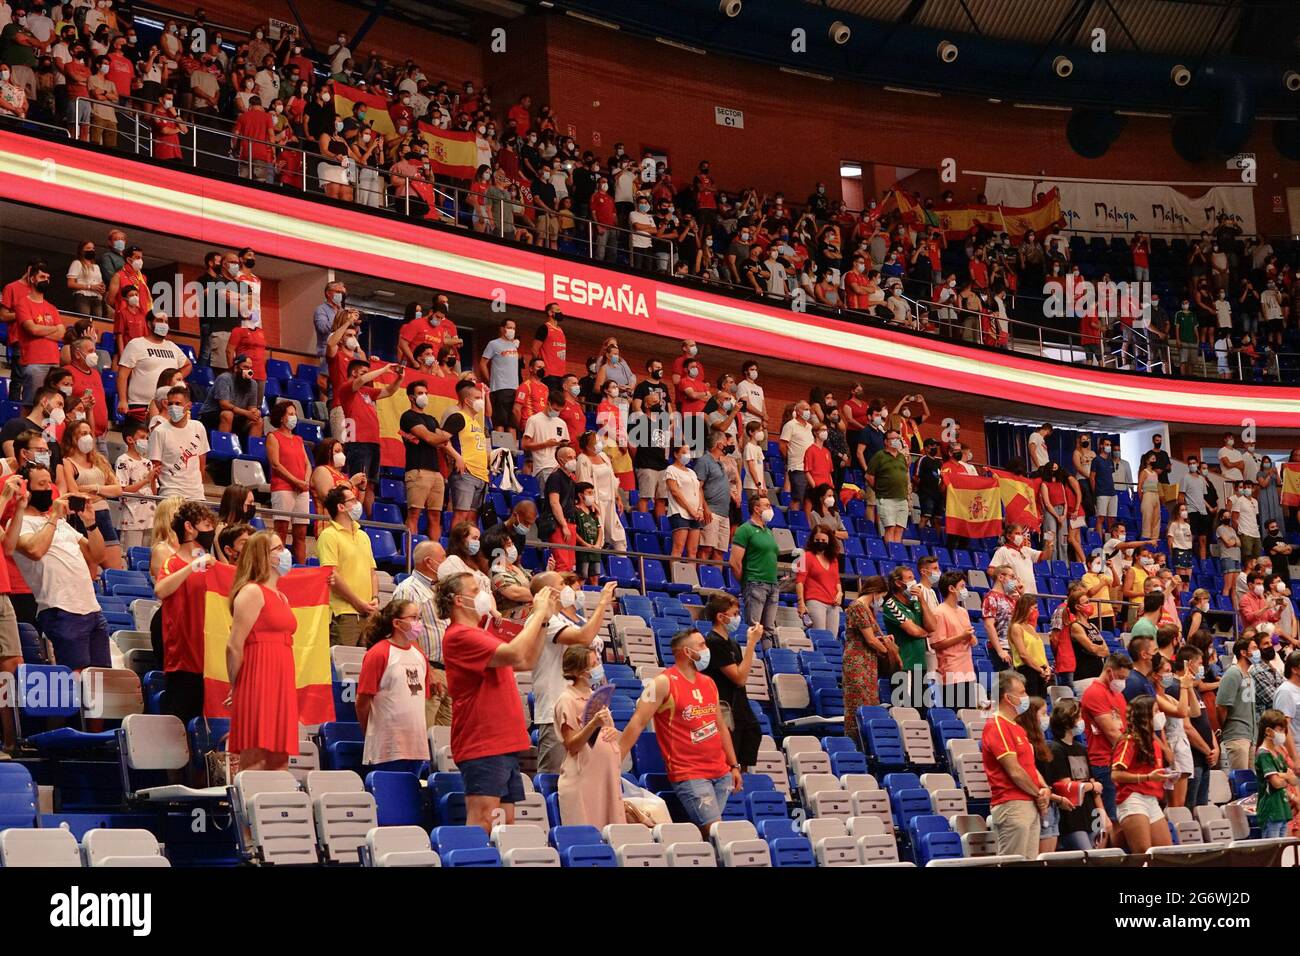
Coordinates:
(974,506)
(442,396)
(1019,499)
(1291,485)
(956,220)
(308,592)
(451,152)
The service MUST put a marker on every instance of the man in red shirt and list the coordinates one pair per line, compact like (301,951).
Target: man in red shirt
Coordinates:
(1104,712)
(86,378)
(448,334)
(690,351)
(532,394)
(254,131)
(605,215)
(488,729)
(552,347)
(1019,793)
(706,198)
(121,71)
(572,414)
(38,330)
(520,116)
(417,330)
(694,740)
(357,397)
(856,287)
(13,291)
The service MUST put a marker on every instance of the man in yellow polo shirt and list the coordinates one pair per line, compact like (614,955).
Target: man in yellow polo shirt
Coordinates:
(468,450)
(345,547)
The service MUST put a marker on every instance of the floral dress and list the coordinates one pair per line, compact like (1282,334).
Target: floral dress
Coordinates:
(861,668)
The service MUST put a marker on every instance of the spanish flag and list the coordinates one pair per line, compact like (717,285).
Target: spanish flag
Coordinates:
(956,220)
(308,592)
(451,152)
(442,396)
(1019,499)
(974,506)
(1291,485)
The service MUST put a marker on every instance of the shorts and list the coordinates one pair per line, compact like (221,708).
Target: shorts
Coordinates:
(1183,757)
(104,522)
(716,534)
(1107,506)
(1182,559)
(503,404)
(703,799)
(363,456)
(466,492)
(651,483)
(683,523)
(1250,547)
(587,567)
(893,512)
(80,640)
(1229,564)
(1049,825)
(345,630)
(1139,804)
(425,489)
(930,506)
(495,776)
(1200,523)
(11,644)
(291,501)
(337,418)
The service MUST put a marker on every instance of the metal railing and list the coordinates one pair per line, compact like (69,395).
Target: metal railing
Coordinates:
(1119,346)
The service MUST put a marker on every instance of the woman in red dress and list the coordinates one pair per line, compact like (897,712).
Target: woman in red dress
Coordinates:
(259,658)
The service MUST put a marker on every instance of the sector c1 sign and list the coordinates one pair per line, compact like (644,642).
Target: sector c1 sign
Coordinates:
(725,117)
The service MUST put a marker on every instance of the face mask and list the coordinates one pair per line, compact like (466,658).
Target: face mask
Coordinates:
(477,406)
(1097,566)
(1256,656)
(422,400)
(702,662)
(568,597)
(351,343)
(340,459)
(1158,721)
(1043,722)
(693,372)
(176,413)
(571,465)
(482,603)
(119,245)
(1245,492)
(42,500)
(85,444)
(1022,705)
(806,415)
(284,562)
(1117,685)
(161,329)
(1017,539)
(768,515)
(141,445)
(137,264)
(205,539)
(472,545)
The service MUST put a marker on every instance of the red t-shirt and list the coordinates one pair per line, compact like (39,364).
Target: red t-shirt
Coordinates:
(573,416)
(446,331)
(1125,758)
(858,409)
(83,380)
(820,583)
(519,114)
(1140,259)
(38,349)
(553,350)
(251,342)
(359,405)
(121,72)
(688,731)
(18,289)
(182,623)
(706,194)
(258,126)
(487,713)
(128,324)
(530,398)
(338,373)
(1063,646)
(419,331)
(293,458)
(1100,699)
(817,462)
(1002,737)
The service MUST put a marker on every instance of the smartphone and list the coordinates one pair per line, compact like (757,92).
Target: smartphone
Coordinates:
(76,504)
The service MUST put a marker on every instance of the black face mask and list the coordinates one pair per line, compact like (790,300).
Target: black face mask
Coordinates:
(205,539)
(42,500)
(250,513)
(250,262)
(1267,653)
(42,285)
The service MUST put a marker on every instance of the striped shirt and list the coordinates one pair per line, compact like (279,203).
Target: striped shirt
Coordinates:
(421,592)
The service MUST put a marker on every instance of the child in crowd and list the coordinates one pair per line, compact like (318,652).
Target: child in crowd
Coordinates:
(591,532)
(136,474)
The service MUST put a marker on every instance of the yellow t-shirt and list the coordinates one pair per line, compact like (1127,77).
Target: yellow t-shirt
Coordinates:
(1034,653)
(349,554)
(1100,607)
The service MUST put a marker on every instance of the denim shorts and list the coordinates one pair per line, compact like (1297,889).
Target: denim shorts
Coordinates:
(104,522)
(495,776)
(704,799)
(680,522)
(1049,824)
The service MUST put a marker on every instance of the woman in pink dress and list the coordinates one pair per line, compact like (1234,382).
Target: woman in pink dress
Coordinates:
(590,789)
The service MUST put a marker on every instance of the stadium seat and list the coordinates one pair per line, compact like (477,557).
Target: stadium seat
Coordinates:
(344,813)
(277,816)
(399,846)
(39,848)
(459,846)
(122,848)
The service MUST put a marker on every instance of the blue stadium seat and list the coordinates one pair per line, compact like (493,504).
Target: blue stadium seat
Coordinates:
(224,446)
(463,846)
(448,796)
(18,798)
(581,846)
(341,745)
(399,799)
(278,369)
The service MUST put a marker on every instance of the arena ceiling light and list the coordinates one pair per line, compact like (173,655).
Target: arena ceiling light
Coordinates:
(1180,75)
(946,51)
(730,8)
(850,170)
(1291,80)
(839,32)
(1062,66)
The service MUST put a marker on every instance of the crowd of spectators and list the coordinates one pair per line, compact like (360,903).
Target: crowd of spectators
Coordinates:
(1218,305)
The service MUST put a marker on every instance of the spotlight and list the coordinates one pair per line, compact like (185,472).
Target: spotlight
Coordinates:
(947,51)
(1062,66)
(839,32)
(1180,75)
(730,8)
(1291,80)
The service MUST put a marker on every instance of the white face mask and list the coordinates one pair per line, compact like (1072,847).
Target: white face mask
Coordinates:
(340,459)
(86,444)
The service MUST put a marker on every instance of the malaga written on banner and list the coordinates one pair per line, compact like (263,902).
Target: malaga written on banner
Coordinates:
(308,591)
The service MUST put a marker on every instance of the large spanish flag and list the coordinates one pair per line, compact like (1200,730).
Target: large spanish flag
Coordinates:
(1019,499)
(974,506)
(308,592)
(956,220)
(1290,485)
(451,152)
(442,396)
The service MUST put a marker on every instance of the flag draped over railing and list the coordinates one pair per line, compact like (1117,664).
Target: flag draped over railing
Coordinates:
(974,506)
(451,152)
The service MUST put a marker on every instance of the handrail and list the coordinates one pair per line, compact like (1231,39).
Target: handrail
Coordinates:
(371,187)
(10,118)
